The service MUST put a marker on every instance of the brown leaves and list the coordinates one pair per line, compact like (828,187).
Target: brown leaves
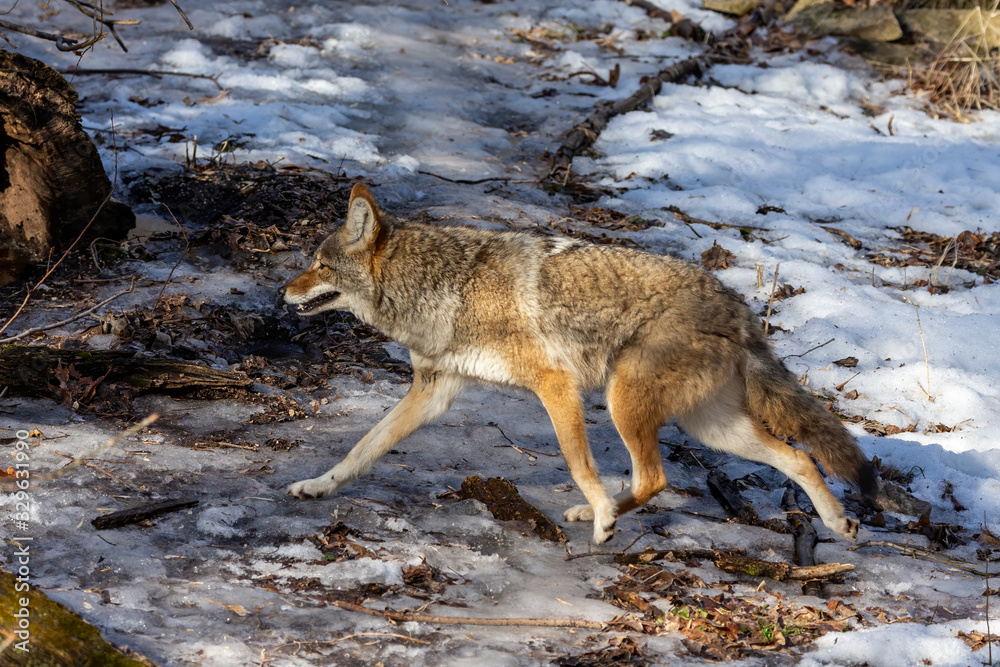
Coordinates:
(621,650)
(74,388)
(977,640)
(976,253)
(608,219)
(940,535)
(337,543)
(786,291)
(717,257)
(719,627)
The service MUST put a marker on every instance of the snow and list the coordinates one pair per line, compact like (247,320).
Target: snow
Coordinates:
(387,91)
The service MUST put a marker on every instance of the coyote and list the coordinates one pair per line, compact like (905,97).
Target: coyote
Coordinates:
(558,316)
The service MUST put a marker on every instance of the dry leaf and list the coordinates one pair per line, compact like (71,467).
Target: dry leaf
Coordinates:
(717,257)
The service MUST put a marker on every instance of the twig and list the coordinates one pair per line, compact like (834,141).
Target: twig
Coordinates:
(477,181)
(62,43)
(187,244)
(145,512)
(791,356)
(100,469)
(989,635)
(33,330)
(927,363)
(230,445)
(98,14)
(80,460)
(188,21)
(331,642)
(918,552)
(651,9)
(770,302)
(403,617)
(81,71)
(933,275)
(690,219)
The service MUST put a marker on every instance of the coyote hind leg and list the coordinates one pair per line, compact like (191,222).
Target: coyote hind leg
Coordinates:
(722,423)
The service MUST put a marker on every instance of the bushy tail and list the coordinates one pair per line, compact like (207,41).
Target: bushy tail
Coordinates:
(775,396)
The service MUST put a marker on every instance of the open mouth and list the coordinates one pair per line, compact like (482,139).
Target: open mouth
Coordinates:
(316,303)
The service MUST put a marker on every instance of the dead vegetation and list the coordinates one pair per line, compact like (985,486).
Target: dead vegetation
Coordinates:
(977,253)
(964,75)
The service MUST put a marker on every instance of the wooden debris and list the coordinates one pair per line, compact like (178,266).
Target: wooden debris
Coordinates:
(502,499)
(735,561)
(36,371)
(54,188)
(583,135)
(729,496)
(403,617)
(804,540)
(141,513)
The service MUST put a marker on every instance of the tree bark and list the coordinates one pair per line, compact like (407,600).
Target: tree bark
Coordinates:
(52,182)
(31,371)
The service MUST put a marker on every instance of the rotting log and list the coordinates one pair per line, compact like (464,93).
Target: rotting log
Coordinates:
(502,499)
(728,494)
(52,181)
(583,135)
(31,371)
(735,561)
(57,636)
(132,515)
(804,539)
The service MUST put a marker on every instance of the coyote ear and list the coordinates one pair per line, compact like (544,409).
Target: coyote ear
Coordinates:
(364,228)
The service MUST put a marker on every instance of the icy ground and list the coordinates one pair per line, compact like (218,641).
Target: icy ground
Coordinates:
(386,92)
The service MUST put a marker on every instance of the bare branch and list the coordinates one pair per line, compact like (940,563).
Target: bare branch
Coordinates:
(70,320)
(62,43)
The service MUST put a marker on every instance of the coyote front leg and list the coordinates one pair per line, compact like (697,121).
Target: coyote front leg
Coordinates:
(429,397)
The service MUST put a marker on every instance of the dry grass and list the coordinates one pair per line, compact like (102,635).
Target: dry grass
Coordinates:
(965,76)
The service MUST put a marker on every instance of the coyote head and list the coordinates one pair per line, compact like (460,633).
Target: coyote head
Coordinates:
(341,276)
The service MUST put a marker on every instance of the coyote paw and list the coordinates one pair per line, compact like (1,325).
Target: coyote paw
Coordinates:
(845,527)
(313,488)
(579,513)
(604,527)
(604,522)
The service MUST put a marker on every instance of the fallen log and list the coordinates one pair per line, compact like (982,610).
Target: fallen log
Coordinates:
(735,561)
(804,538)
(584,134)
(141,513)
(728,494)
(32,371)
(53,188)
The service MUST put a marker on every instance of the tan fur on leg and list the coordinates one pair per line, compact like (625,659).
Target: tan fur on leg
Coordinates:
(429,397)
(561,398)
